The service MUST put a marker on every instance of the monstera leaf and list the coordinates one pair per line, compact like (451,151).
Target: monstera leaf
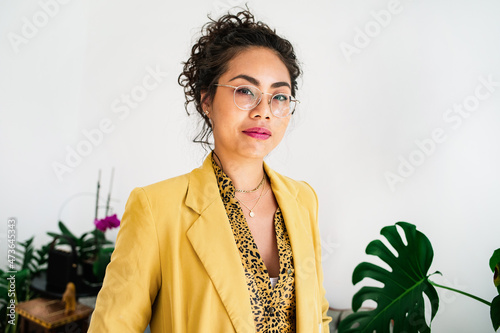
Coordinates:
(495,304)
(400,302)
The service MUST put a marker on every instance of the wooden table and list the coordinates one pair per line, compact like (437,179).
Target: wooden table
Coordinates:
(47,315)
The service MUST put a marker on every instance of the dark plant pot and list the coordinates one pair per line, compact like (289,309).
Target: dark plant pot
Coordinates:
(62,265)
(88,276)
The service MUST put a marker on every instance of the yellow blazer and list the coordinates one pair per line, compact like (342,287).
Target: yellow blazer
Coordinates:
(176,265)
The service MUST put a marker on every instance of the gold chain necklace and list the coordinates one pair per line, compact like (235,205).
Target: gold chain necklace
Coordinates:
(257,197)
(251,213)
(255,189)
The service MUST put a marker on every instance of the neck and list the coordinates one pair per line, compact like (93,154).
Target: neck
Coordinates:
(245,173)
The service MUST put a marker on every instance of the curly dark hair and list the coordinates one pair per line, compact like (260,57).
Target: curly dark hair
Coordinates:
(221,40)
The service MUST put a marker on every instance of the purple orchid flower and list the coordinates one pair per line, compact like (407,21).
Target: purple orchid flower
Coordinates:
(109,222)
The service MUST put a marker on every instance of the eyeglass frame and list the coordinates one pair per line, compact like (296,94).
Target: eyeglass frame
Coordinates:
(292,98)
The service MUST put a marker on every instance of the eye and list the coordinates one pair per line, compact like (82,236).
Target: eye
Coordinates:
(245,91)
(281,98)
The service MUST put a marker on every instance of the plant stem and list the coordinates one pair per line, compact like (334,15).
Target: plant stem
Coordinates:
(96,213)
(97,194)
(461,292)
(109,193)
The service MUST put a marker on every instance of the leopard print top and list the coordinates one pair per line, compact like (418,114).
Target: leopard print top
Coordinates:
(273,308)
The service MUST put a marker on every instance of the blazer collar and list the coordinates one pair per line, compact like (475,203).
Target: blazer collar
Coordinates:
(297,217)
(212,239)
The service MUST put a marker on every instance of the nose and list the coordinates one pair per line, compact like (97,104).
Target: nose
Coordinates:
(263,108)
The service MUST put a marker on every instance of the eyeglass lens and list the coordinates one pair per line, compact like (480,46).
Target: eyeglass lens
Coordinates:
(247,97)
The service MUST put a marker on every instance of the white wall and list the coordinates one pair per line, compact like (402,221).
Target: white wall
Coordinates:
(361,113)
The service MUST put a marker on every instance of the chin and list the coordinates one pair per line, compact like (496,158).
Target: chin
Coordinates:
(257,153)
(253,150)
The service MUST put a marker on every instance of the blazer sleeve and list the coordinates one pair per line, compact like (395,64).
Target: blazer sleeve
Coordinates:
(317,250)
(132,277)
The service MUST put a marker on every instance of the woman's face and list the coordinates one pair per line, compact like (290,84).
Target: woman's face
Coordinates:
(254,133)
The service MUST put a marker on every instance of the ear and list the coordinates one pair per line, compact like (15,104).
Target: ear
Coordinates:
(205,102)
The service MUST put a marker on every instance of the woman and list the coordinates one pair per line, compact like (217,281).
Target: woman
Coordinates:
(232,246)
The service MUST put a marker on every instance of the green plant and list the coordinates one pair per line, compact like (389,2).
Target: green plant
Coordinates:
(495,303)
(15,281)
(31,259)
(86,244)
(90,246)
(9,297)
(101,262)
(400,301)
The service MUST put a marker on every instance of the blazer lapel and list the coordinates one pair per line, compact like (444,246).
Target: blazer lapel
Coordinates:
(213,240)
(296,218)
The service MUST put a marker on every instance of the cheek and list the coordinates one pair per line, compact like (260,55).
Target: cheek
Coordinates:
(282,126)
(225,123)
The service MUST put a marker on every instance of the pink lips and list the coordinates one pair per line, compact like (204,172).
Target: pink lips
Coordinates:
(259,133)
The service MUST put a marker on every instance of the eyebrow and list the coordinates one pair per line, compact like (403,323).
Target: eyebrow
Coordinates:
(256,82)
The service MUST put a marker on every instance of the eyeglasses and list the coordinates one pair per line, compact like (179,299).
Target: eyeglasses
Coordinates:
(248,97)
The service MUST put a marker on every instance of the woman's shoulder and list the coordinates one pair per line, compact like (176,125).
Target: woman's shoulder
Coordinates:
(178,184)
(301,187)
(168,188)
(168,184)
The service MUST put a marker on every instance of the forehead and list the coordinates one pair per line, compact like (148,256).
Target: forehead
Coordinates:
(260,63)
